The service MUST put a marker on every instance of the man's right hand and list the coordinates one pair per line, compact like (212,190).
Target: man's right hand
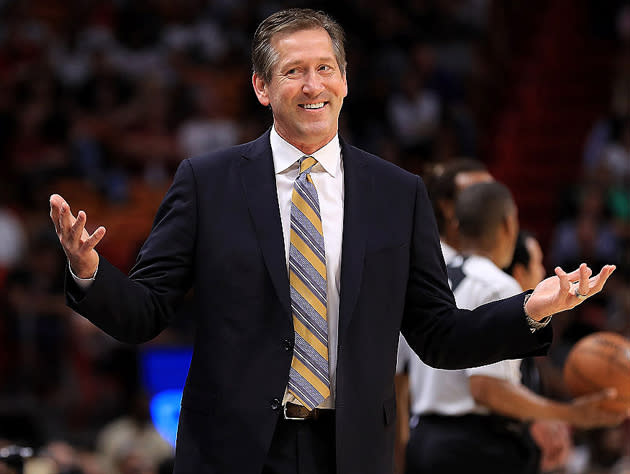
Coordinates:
(77,243)
(586,411)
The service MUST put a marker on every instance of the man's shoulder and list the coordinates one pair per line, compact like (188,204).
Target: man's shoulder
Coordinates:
(229,156)
(491,278)
(375,163)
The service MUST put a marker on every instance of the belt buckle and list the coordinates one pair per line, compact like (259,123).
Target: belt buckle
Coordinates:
(294,418)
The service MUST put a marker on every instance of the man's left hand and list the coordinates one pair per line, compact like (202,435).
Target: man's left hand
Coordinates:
(565,290)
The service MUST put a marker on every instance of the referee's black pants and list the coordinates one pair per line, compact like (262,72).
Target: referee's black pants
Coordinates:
(471,443)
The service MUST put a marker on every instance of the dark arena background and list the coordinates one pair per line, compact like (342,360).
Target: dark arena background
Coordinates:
(101,99)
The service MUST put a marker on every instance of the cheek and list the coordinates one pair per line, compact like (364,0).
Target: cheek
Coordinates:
(341,90)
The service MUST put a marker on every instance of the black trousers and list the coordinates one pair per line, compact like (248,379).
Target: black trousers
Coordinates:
(303,447)
(471,443)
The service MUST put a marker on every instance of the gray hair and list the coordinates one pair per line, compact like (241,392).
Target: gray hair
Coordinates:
(264,56)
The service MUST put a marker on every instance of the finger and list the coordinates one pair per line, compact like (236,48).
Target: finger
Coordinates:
(583,283)
(76,231)
(66,219)
(55,210)
(95,238)
(613,418)
(606,394)
(564,279)
(597,282)
(598,397)
(54,217)
(574,275)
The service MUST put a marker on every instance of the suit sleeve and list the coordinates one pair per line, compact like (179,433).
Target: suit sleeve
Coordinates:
(450,338)
(137,307)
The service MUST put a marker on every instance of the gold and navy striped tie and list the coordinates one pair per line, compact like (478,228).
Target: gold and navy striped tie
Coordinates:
(308,379)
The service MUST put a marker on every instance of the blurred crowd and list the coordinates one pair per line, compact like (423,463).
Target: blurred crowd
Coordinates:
(101,99)
(594,225)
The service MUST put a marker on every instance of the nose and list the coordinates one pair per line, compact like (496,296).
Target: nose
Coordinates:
(313,84)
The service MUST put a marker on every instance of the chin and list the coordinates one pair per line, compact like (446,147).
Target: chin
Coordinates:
(317,133)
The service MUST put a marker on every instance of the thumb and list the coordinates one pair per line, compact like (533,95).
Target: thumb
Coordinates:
(606,394)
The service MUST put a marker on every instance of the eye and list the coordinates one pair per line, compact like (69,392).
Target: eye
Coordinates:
(325,67)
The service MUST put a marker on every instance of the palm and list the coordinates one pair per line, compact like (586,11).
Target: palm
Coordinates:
(77,243)
(561,292)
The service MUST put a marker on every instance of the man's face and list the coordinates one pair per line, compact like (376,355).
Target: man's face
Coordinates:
(306,89)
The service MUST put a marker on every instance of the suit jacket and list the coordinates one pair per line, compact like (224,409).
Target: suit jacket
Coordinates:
(218,230)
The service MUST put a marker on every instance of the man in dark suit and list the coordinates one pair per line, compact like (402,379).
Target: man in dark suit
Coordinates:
(307,256)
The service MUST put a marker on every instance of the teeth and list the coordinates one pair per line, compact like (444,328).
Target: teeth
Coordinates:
(314,106)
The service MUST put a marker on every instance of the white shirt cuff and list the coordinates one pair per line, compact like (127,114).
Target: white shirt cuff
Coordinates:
(83,283)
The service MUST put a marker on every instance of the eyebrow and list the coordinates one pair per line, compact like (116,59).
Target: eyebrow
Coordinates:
(295,62)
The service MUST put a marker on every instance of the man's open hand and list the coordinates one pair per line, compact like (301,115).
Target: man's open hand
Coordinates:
(565,290)
(75,240)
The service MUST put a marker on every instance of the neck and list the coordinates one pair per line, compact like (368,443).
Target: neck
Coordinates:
(453,243)
(495,255)
(308,148)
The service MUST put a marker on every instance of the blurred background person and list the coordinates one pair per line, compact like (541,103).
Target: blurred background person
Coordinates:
(552,437)
(475,419)
(444,182)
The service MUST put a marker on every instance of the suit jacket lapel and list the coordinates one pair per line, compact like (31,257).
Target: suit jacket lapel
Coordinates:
(259,185)
(357,187)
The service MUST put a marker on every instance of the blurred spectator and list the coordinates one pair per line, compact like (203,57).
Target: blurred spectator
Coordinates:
(64,457)
(12,240)
(588,236)
(414,115)
(615,159)
(147,143)
(131,444)
(37,320)
(206,131)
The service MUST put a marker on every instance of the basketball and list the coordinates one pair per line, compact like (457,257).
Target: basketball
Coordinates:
(599,361)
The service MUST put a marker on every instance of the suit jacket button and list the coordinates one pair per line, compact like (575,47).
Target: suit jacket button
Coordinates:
(288,344)
(276,404)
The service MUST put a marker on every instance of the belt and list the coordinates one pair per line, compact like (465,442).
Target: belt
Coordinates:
(291,411)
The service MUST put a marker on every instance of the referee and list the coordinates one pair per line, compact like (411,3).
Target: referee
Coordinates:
(475,420)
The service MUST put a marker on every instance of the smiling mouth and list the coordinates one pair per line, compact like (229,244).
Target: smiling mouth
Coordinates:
(317,106)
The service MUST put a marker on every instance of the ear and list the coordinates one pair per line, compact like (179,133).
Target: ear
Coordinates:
(448,209)
(514,226)
(345,83)
(510,225)
(260,88)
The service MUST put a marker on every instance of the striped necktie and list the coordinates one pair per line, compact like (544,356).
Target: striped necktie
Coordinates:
(308,379)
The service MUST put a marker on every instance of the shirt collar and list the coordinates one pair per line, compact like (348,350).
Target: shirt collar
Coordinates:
(286,155)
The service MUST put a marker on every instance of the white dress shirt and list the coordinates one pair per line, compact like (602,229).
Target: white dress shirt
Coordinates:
(327,177)
(447,392)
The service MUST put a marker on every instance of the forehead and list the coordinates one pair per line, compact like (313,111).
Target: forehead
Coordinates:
(464,179)
(302,45)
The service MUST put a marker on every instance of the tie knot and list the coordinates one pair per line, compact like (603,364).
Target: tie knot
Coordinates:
(306,163)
